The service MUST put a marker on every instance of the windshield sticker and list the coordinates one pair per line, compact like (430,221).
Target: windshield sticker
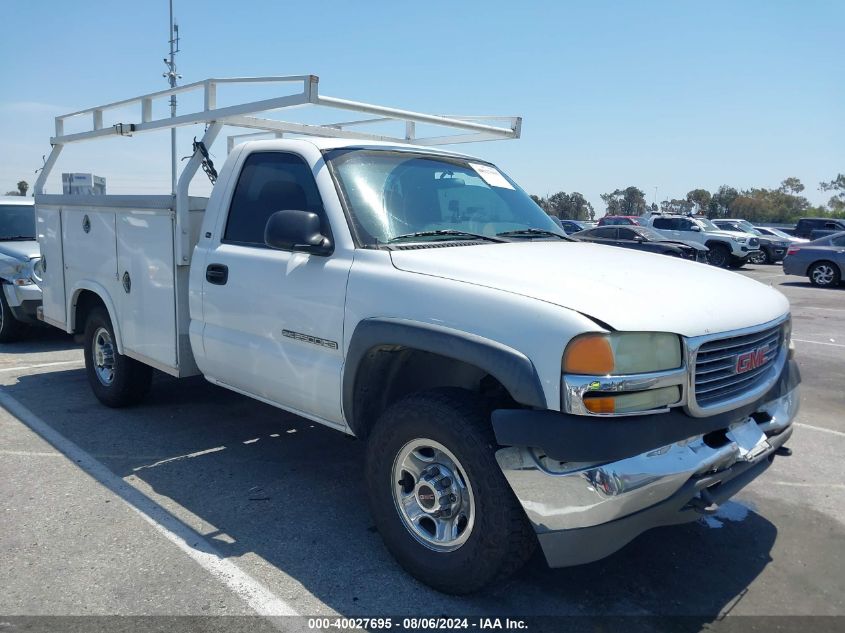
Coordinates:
(491,175)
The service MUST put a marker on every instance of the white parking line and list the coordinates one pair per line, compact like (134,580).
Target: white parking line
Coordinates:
(263,601)
(802,484)
(39,366)
(801,340)
(820,308)
(820,428)
(31,453)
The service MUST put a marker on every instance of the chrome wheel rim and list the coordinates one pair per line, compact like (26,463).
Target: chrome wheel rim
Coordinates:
(758,257)
(102,352)
(823,274)
(433,495)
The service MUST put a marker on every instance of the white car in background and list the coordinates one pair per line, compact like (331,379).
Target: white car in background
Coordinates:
(728,249)
(20,264)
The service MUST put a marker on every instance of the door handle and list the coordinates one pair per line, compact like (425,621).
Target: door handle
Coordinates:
(217,274)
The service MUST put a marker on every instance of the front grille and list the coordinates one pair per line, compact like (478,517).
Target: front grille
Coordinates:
(717,363)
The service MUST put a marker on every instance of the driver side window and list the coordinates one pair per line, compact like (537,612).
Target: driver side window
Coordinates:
(270,182)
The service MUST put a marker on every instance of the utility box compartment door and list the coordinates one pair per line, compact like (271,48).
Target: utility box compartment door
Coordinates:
(145,275)
(48,224)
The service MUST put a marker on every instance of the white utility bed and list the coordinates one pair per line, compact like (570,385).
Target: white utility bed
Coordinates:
(123,245)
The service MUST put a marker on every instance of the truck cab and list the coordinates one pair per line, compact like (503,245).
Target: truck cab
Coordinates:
(413,298)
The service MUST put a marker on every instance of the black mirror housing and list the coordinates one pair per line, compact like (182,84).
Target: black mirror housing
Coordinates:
(294,230)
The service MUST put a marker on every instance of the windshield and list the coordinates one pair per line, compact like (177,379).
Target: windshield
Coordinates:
(746,226)
(398,193)
(17,221)
(706,224)
(778,232)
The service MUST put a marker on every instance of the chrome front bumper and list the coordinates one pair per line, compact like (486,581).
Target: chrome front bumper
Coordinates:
(584,512)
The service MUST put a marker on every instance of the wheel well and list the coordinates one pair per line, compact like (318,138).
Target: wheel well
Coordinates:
(389,373)
(86,301)
(715,243)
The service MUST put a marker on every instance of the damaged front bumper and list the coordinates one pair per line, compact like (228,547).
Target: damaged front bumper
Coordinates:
(590,486)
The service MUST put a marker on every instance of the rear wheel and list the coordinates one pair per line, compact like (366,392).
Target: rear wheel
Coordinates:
(824,274)
(719,255)
(10,328)
(115,379)
(438,496)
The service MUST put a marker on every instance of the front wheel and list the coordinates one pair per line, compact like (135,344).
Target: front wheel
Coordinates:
(115,379)
(824,274)
(438,496)
(10,328)
(758,257)
(719,255)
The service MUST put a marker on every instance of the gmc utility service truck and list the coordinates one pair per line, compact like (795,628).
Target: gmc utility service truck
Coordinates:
(514,387)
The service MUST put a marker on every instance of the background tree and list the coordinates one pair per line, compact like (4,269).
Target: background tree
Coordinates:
(628,201)
(23,187)
(700,198)
(721,202)
(791,185)
(676,206)
(837,185)
(566,206)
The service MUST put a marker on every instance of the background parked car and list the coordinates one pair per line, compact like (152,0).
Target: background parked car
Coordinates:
(772,231)
(772,249)
(727,248)
(642,238)
(20,264)
(620,219)
(822,260)
(571,226)
(814,228)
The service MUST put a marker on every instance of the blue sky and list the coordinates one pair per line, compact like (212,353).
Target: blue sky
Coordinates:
(672,95)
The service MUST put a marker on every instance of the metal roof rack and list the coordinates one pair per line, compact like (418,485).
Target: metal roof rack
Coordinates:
(469,129)
(462,129)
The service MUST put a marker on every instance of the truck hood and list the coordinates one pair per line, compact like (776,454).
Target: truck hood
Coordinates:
(731,234)
(626,289)
(23,250)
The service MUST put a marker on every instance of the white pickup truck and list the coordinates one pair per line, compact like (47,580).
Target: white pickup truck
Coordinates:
(514,387)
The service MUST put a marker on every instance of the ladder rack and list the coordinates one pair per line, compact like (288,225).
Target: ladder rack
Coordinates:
(462,129)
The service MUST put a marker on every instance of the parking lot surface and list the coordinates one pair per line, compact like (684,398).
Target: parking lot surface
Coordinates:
(204,502)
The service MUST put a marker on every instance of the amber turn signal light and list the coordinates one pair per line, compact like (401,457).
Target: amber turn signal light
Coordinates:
(589,354)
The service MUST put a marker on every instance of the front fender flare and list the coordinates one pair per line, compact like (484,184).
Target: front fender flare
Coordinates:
(510,367)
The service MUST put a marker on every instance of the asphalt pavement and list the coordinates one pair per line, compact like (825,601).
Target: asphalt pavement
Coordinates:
(203,502)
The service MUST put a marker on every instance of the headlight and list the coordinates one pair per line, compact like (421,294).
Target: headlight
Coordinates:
(740,240)
(36,267)
(622,353)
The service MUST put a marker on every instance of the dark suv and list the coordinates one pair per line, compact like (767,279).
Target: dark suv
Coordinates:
(814,228)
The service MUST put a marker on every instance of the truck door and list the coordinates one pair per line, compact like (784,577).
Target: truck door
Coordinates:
(273,319)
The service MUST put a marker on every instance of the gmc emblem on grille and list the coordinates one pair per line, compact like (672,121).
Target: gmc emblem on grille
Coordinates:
(751,360)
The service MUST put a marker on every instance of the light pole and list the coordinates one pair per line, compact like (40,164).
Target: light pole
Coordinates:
(171,77)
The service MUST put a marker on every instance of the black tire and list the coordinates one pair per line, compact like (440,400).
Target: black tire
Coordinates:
(500,540)
(735,263)
(130,380)
(824,274)
(719,255)
(11,329)
(770,257)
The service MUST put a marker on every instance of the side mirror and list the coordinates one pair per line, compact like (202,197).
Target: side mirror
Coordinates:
(695,227)
(296,231)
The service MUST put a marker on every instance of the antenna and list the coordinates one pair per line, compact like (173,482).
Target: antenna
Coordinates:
(171,76)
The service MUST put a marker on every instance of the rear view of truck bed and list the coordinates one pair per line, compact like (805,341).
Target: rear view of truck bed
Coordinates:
(122,249)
